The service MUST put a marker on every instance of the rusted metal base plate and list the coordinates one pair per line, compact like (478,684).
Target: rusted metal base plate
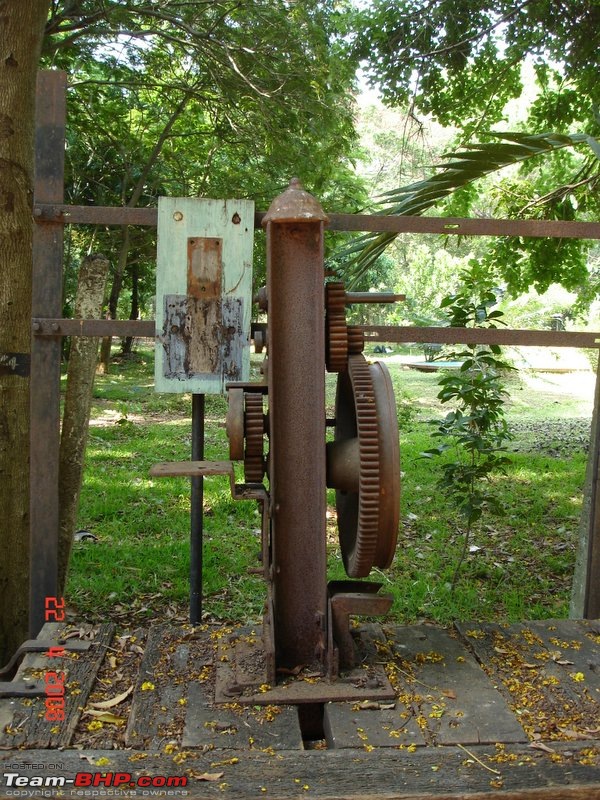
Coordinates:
(241,677)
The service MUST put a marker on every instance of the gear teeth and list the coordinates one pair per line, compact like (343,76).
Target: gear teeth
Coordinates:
(254,428)
(361,559)
(336,332)
(356,340)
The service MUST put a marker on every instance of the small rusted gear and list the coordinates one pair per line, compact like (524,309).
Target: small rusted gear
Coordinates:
(368,515)
(254,430)
(356,339)
(336,331)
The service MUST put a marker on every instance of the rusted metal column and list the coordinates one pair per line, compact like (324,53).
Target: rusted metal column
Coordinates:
(296,374)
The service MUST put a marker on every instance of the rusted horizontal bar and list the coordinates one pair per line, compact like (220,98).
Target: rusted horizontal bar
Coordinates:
(95,215)
(142,328)
(457,226)
(375,223)
(375,333)
(522,338)
(373,297)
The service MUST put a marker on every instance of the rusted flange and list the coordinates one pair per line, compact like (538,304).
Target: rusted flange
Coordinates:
(295,205)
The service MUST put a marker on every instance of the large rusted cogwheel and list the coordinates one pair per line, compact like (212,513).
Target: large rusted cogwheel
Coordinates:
(336,331)
(254,429)
(364,466)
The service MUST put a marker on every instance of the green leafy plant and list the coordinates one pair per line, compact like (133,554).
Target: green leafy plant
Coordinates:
(475,432)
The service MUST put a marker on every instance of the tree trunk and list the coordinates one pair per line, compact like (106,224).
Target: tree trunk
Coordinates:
(113,300)
(78,401)
(134,313)
(21,31)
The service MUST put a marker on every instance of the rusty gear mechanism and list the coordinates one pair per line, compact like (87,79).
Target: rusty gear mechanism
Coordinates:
(363,465)
(246,429)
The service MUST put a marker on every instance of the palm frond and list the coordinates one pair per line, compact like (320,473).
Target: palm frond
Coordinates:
(458,169)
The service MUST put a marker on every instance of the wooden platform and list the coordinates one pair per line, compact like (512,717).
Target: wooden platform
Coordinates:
(480,710)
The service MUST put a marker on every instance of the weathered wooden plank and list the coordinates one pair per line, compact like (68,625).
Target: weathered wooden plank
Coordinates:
(549,696)
(25,723)
(454,700)
(444,773)
(235,727)
(173,659)
(574,649)
(367,725)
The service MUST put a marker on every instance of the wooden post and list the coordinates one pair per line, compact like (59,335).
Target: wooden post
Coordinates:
(46,352)
(585,598)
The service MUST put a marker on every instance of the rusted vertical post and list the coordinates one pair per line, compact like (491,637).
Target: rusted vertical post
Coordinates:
(45,352)
(294,225)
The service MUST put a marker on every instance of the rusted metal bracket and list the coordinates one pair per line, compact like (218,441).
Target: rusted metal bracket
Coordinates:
(43,646)
(353,597)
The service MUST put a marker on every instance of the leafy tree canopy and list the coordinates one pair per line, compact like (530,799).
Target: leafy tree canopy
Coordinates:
(211,97)
(460,60)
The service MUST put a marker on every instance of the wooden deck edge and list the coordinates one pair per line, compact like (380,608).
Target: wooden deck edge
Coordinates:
(445,773)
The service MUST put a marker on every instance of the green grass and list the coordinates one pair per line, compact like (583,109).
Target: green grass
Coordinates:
(522,567)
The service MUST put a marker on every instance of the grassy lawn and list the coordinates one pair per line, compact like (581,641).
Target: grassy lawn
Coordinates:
(520,565)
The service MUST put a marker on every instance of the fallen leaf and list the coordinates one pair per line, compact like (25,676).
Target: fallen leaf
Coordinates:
(105,716)
(450,693)
(541,746)
(295,671)
(114,701)
(209,776)
(573,734)
(369,704)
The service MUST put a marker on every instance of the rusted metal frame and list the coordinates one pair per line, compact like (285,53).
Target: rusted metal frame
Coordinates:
(296,381)
(60,326)
(374,223)
(46,353)
(523,338)
(196,511)
(586,601)
(458,226)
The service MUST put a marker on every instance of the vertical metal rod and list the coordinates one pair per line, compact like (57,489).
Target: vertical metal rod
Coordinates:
(46,352)
(295,273)
(197,519)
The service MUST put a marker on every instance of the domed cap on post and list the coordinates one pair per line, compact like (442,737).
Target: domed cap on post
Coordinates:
(295,205)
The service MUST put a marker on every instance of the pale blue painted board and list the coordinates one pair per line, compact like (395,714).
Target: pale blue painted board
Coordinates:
(232,221)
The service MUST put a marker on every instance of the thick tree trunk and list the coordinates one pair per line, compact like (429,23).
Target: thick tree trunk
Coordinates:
(21,31)
(78,401)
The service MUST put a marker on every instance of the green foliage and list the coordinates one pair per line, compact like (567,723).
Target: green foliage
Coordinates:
(460,169)
(475,432)
(216,99)
(460,60)
(461,63)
